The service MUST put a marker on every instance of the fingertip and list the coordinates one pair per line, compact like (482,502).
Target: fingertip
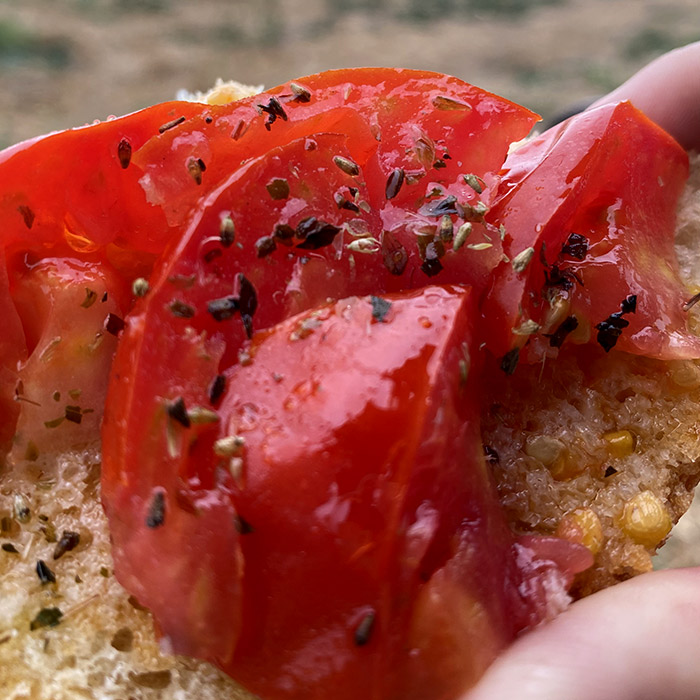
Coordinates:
(636,640)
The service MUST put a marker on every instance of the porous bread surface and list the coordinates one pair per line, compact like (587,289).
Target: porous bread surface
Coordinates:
(104,646)
(575,403)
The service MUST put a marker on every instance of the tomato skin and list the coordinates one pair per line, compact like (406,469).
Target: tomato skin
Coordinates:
(67,196)
(614,177)
(407,118)
(391,504)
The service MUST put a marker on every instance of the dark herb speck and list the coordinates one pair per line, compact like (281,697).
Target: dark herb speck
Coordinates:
(363,632)
(46,617)
(69,541)
(178,412)
(124,153)
(27,215)
(217,388)
(315,234)
(509,362)
(394,183)
(223,309)
(265,245)
(44,573)
(243,527)
(448,205)
(90,298)
(278,188)
(156,511)
(113,324)
(171,124)
(610,330)
(273,109)
(576,246)
(569,324)
(380,308)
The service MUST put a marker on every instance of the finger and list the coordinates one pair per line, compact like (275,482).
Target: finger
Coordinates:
(634,641)
(668,92)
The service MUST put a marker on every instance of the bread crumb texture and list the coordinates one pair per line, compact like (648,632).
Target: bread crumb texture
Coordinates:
(604,449)
(82,636)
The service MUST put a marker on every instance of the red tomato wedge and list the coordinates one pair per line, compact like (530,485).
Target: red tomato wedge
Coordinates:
(430,126)
(67,308)
(70,198)
(589,211)
(346,452)
(76,193)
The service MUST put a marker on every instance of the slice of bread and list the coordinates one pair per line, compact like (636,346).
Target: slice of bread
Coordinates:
(604,452)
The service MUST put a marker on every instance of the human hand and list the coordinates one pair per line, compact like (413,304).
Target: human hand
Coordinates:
(636,641)
(668,91)
(641,638)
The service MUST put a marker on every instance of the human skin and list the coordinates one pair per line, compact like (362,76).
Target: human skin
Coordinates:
(640,639)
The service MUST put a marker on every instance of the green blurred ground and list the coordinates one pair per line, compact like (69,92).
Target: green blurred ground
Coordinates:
(67,62)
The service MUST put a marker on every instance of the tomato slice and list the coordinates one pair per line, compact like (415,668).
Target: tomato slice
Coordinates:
(71,312)
(77,192)
(593,203)
(430,126)
(358,521)
(73,199)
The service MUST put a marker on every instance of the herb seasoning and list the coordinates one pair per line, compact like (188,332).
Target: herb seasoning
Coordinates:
(114,324)
(380,308)
(68,542)
(394,183)
(223,309)
(363,632)
(46,617)
(610,330)
(216,389)
(178,412)
(27,215)
(44,573)
(509,362)
(170,125)
(124,153)
(274,110)
(156,511)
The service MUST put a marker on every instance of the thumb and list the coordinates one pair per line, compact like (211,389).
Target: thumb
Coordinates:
(637,640)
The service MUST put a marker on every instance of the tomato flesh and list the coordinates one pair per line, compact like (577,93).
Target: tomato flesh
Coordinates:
(61,383)
(377,505)
(612,177)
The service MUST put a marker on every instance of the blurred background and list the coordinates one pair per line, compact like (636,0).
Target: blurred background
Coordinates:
(68,62)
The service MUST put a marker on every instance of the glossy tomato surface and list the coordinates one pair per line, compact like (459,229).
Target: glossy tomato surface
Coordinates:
(77,230)
(116,194)
(316,211)
(347,454)
(589,213)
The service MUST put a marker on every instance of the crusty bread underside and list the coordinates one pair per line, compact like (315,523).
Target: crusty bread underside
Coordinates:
(104,646)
